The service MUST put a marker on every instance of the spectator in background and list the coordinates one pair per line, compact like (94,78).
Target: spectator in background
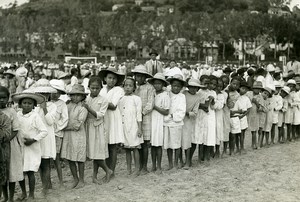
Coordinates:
(153,65)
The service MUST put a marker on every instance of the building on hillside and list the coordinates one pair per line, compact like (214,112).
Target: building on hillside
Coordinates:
(296,11)
(210,49)
(279,12)
(148,8)
(165,10)
(117,6)
(138,2)
(180,48)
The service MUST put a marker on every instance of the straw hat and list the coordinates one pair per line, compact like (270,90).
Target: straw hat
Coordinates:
(77,89)
(277,70)
(270,68)
(11,72)
(177,77)
(141,69)
(277,84)
(194,83)
(58,85)
(257,85)
(21,71)
(269,90)
(28,94)
(297,79)
(286,89)
(43,86)
(160,77)
(291,81)
(61,75)
(113,70)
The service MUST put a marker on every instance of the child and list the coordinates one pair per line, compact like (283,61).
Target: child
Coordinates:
(113,119)
(188,129)
(253,116)
(174,121)
(160,110)
(61,121)
(296,110)
(97,148)
(11,81)
(29,80)
(226,118)
(47,111)
(278,104)
(288,119)
(74,75)
(74,141)
(241,109)
(3,80)
(31,131)
(267,95)
(146,92)
(285,91)
(16,156)
(131,110)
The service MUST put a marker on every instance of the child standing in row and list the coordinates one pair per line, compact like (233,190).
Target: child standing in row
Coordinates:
(174,121)
(160,110)
(131,111)
(97,145)
(146,92)
(285,91)
(278,104)
(74,142)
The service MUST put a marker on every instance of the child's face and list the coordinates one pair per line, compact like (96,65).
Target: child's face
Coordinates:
(36,77)
(235,84)
(291,86)
(55,96)
(129,87)
(220,86)
(212,85)
(297,87)
(30,75)
(256,91)
(27,105)
(283,94)
(3,100)
(225,81)
(140,78)
(95,89)
(277,91)
(176,87)
(158,85)
(265,94)
(243,90)
(205,82)
(111,80)
(193,89)
(76,98)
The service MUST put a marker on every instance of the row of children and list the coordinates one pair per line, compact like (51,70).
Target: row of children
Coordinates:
(137,113)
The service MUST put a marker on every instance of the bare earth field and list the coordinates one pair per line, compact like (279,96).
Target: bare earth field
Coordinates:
(267,174)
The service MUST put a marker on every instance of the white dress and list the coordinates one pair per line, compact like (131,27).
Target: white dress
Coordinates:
(48,145)
(131,111)
(31,126)
(157,125)
(113,118)
(219,105)
(209,138)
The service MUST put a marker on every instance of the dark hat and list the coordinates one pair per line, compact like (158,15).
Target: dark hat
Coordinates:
(153,52)
(227,69)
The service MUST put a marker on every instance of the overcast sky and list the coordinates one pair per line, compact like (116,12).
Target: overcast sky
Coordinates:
(4,3)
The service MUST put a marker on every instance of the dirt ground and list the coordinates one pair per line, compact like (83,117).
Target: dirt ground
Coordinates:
(267,174)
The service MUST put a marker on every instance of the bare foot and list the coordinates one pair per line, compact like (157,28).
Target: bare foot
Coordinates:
(108,176)
(96,181)
(129,172)
(30,199)
(22,197)
(153,169)
(185,167)
(136,173)
(80,185)
(170,167)
(75,183)
(159,171)
(144,171)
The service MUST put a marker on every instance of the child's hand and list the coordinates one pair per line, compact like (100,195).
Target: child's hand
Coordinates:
(29,141)
(140,133)
(192,115)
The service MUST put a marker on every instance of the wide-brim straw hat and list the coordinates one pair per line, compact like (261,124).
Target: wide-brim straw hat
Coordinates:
(61,75)
(21,71)
(286,89)
(77,89)
(104,72)
(291,81)
(160,77)
(28,94)
(177,77)
(269,90)
(270,68)
(257,85)
(141,69)
(58,85)
(43,86)
(9,71)
(277,84)
(194,83)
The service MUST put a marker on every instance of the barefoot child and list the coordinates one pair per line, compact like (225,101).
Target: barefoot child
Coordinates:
(269,108)
(74,141)
(278,104)
(174,121)
(113,119)
(16,156)
(146,92)
(288,119)
(61,121)
(188,129)
(160,110)
(31,131)
(97,145)
(285,91)
(131,110)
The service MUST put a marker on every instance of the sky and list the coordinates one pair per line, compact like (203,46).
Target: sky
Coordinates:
(4,3)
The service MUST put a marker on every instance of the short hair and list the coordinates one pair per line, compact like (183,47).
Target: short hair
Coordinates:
(95,79)
(132,79)
(212,77)
(204,77)
(74,70)
(5,90)
(237,78)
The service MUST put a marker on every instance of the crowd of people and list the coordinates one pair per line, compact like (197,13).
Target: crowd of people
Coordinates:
(78,115)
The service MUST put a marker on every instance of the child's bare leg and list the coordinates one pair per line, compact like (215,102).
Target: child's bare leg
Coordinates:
(108,172)
(217,154)
(225,145)
(159,157)
(170,158)
(23,188)
(112,160)
(293,132)
(73,169)
(201,153)
(288,138)
(181,156)
(267,138)
(5,192)
(231,143)
(95,172)
(273,133)
(262,139)
(297,131)
(12,186)
(177,153)
(188,157)
(153,156)
(45,174)
(279,134)
(128,161)
(31,181)
(237,142)
(58,169)
(193,148)
(253,143)
(145,152)
(81,174)
(136,161)
(242,139)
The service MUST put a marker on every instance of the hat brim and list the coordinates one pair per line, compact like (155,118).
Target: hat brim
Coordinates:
(285,91)
(102,74)
(44,89)
(195,85)
(76,92)
(153,53)
(144,73)
(9,73)
(257,87)
(151,81)
(170,80)
(37,97)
